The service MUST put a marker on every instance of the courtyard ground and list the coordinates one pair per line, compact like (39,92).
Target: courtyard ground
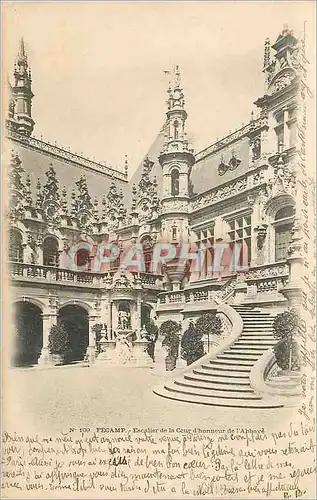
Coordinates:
(103,395)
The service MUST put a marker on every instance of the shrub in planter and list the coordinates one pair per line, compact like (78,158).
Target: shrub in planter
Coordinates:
(97,329)
(151,335)
(58,342)
(286,360)
(287,351)
(192,347)
(171,331)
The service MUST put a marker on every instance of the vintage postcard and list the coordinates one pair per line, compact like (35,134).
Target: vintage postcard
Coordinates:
(158,250)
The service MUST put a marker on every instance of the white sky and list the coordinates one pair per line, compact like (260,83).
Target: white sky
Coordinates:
(98,68)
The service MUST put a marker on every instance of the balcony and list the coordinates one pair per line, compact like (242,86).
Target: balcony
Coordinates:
(32,273)
(263,284)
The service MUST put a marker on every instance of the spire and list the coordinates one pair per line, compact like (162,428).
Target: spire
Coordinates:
(175,92)
(20,115)
(175,138)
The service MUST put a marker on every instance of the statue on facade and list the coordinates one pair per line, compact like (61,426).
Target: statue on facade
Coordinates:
(124,320)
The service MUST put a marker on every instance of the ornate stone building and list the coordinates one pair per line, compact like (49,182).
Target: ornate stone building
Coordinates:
(241,189)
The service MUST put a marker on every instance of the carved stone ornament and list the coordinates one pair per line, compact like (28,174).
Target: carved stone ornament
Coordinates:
(261,231)
(282,81)
(233,163)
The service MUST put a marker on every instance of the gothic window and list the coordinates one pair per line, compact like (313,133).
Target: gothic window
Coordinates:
(15,246)
(50,252)
(82,257)
(240,240)
(284,219)
(176,125)
(175,182)
(280,131)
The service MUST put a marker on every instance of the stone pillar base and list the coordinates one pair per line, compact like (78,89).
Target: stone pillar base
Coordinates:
(140,355)
(107,351)
(45,358)
(91,354)
(293,293)
(180,364)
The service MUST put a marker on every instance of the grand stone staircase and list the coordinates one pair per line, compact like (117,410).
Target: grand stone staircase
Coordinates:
(224,380)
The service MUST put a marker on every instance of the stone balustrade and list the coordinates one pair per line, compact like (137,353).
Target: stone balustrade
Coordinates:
(35,273)
(259,280)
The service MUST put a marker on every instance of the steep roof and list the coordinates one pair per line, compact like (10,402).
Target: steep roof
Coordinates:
(37,156)
(207,174)
(153,155)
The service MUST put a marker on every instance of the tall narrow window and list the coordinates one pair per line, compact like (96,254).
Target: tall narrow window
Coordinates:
(15,246)
(240,240)
(50,252)
(284,220)
(175,182)
(176,125)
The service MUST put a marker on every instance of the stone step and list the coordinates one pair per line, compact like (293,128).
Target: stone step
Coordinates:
(238,357)
(259,326)
(227,403)
(233,391)
(222,372)
(245,347)
(205,393)
(256,338)
(234,364)
(216,379)
(257,321)
(250,335)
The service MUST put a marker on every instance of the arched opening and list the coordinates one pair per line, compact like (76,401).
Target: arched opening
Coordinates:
(28,332)
(15,246)
(82,258)
(76,322)
(284,219)
(175,182)
(50,252)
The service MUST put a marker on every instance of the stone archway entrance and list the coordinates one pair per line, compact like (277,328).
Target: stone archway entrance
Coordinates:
(28,333)
(76,321)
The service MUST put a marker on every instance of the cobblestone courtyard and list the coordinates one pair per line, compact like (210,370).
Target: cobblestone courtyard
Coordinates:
(71,396)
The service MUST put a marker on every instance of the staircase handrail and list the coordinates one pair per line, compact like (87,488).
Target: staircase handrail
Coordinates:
(259,373)
(226,286)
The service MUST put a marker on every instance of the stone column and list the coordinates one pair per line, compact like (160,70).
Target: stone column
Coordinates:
(106,315)
(91,349)
(49,319)
(138,318)
(293,290)
(114,318)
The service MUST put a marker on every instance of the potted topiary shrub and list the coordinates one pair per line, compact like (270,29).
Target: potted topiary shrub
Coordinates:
(58,343)
(151,335)
(171,341)
(287,351)
(97,329)
(192,347)
(208,324)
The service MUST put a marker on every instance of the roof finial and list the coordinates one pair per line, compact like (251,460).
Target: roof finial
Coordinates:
(126,167)
(177,77)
